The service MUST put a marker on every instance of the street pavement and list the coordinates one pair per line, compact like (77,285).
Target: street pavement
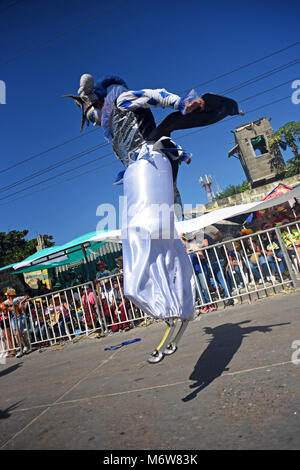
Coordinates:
(232,384)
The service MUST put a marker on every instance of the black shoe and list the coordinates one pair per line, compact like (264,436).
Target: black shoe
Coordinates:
(229,302)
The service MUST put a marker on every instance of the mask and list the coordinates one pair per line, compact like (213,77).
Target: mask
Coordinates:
(94,116)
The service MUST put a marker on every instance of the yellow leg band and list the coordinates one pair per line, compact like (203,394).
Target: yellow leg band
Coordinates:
(164,338)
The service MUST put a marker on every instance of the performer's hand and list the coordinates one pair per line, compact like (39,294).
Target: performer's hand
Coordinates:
(199,103)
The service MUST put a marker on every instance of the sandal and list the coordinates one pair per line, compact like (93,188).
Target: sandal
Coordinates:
(12,354)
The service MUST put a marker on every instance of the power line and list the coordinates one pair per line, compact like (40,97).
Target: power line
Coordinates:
(116,161)
(245,65)
(55,176)
(262,76)
(45,151)
(63,162)
(61,182)
(235,88)
(76,156)
(53,167)
(87,151)
(60,35)
(265,91)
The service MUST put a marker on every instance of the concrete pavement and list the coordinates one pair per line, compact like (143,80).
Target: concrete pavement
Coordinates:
(232,384)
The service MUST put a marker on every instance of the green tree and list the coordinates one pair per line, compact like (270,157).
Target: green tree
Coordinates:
(287,135)
(232,189)
(292,166)
(14,247)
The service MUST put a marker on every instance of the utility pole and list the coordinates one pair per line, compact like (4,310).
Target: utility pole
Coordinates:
(40,243)
(206,182)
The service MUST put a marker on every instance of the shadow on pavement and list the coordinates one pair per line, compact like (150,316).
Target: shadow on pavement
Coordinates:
(224,344)
(6,413)
(10,369)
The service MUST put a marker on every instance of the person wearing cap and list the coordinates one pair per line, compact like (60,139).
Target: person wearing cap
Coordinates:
(102,270)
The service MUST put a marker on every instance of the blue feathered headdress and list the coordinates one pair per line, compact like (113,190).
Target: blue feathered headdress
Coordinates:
(90,92)
(102,86)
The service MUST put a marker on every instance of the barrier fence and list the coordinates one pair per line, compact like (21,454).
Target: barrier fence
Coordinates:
(256,262)
(225,273)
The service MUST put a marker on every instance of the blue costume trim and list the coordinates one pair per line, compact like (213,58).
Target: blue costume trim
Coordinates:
(112,95)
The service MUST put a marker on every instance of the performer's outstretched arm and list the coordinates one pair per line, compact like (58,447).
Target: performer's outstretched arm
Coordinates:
(204,111)
(191,113)
(147,98)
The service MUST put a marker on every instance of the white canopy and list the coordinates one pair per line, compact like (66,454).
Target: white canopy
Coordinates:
(198,223)
(185,226)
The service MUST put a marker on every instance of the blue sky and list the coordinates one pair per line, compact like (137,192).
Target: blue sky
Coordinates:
(47,45)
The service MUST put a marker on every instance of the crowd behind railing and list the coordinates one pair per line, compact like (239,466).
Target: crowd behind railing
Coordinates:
(263,255)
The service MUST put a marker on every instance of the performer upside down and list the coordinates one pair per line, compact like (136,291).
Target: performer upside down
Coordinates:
(158,274)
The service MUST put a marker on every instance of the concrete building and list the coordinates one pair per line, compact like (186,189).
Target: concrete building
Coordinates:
(260,166)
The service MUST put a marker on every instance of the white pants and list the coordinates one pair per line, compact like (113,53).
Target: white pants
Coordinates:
(158,274)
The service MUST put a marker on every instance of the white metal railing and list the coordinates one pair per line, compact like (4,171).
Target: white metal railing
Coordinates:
(67,313)
(226,272)
(251,263)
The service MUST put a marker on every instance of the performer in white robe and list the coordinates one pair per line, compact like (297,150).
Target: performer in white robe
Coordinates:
(158,274)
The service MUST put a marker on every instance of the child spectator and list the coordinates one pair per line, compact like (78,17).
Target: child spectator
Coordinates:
(119,306)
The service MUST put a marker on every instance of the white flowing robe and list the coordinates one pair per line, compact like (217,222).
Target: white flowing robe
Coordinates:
(158,274)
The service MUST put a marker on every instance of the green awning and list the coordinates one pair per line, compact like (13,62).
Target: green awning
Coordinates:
(7,267)
(70,252)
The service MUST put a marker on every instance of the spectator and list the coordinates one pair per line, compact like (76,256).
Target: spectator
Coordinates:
(280,214)
(102,270)
(257,262)
(296,209)
(215,261)
(6,332)
(17,319)
(103,289)
(273,252)
(25,308)
(80,279)
(56,314)
(198,262)
(233,270)
(73,279)
(57,286)
(40,318)
(90,316)
(119,306)
(119,265)
(42,287)
(291,238)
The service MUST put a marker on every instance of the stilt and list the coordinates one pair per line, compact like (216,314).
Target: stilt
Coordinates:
(157,354)
(172,346)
